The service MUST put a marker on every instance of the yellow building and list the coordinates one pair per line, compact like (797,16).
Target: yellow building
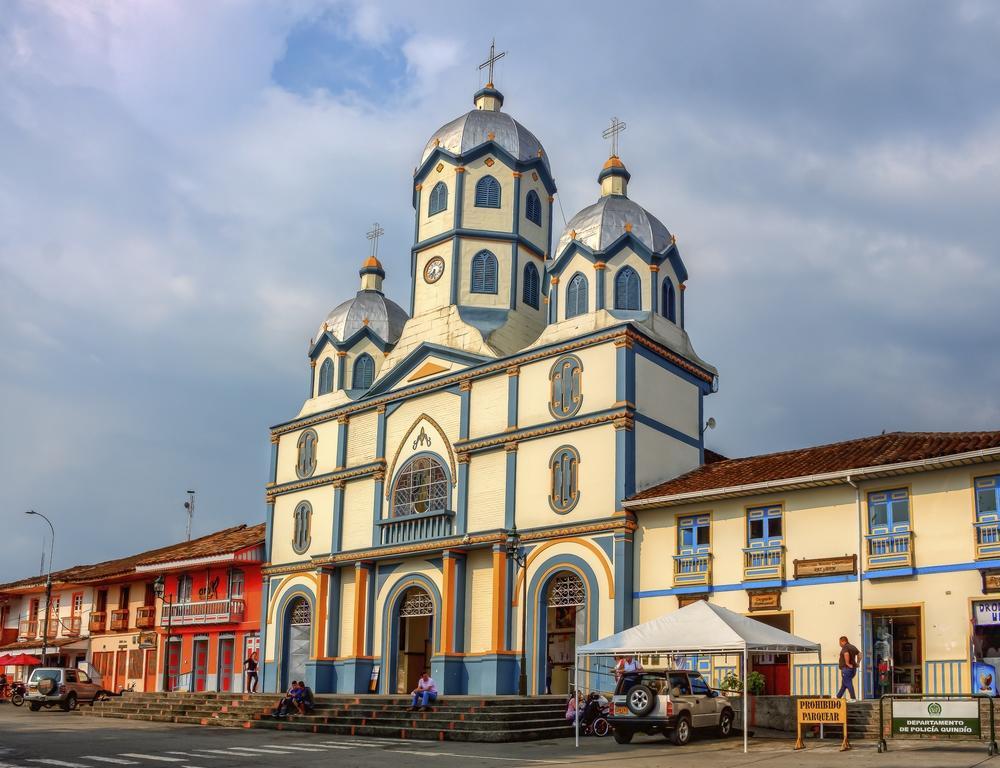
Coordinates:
(525,388)
(891,540)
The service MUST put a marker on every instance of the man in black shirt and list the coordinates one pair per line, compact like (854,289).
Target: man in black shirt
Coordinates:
(848,663)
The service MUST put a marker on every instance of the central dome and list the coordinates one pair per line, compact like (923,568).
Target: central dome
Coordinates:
(597,226)
(367,309)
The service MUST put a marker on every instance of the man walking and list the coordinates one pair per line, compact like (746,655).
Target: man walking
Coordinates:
(848,663)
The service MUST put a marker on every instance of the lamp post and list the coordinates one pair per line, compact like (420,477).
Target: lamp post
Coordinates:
(48,588)
(519,556)
(159,587)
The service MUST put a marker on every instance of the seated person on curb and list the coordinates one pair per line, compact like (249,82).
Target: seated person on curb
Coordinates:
(287,702)
(425,692)
(574,703)
(306,702)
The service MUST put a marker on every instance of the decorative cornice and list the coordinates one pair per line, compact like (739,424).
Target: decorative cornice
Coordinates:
(494,441)
(459,169)
(327,479)
(514,370)
(510,448)
(599,265)
(465,385)
(464,457)
(275,437)
(344,418)
(654,267)
(627,421)
(670,355)
(341,353)
(624,341)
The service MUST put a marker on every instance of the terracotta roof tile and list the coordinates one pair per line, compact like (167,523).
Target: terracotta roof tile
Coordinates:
(879,450)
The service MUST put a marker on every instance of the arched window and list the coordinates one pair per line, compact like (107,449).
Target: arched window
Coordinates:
(484,273)
(487,193)
(533,207)
(564,466)
(326,377)
(438,200)
(565,389)
(668,302)
(421,486)
(301,525)
(300,612)
(576,296)
(567,589)
(305,465)
(529,285)
(628,294)
(364,372)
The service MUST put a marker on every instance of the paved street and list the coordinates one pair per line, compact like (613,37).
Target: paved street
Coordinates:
(60,740)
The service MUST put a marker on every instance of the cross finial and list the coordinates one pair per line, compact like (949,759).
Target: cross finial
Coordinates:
(493,59)
(373,236)
(617,126)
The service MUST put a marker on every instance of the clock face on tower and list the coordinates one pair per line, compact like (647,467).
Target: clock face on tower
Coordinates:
(433,269)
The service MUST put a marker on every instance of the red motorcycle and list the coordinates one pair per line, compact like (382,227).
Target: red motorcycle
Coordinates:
(14,692)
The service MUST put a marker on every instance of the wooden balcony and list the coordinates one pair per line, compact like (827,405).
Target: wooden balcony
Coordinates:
(119,620)
(203,612)
(889,550)
(764,563)
(694,569)
(145,617)
(71,626)
(987,540)
(408,528)
(27,629)
(98,621)
(52,628)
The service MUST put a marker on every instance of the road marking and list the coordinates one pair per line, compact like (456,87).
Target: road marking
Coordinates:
(63,763)
(332,745)
(116,760)
(522,760)
(297,749)
(161,758)
(259,750)
(212,757)
(191,754)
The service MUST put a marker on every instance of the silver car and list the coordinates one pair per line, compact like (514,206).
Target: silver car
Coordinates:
(673,703)
(57,687)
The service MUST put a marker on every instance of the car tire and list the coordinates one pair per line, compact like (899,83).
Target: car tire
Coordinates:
(70,703)
(17,699)
(622,736)
(726,723)
(34,706)
(641,700)
(681,734)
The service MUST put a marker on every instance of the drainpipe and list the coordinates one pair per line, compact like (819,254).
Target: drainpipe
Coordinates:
(861,585)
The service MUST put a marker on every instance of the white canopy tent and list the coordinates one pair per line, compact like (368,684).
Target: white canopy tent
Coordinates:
(699,628)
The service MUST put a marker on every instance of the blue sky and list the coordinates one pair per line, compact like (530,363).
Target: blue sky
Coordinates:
(185,188)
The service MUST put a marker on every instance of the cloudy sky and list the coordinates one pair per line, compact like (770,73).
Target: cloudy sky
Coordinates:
(185,189)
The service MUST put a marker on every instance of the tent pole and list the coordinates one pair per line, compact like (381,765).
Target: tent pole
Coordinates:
(576,698)
(746,700)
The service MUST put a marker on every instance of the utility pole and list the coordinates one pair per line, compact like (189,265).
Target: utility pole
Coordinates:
(189,506)
(48,587)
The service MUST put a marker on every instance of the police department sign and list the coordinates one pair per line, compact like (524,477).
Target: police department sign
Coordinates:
(935,718)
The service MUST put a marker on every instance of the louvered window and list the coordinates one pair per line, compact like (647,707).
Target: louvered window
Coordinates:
(529,286)
(326,377)
(576,296)
(438,199)
(484,273)
(364,372)
(487,193)
(627,289)
(668,303)
(533,208)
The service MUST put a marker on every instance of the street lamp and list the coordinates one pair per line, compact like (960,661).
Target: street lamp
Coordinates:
(519,556)
(48,588)
(159,587)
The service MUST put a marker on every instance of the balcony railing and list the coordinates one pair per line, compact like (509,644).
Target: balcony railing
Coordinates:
(53,627)
(987,540)
(407,528)
(890,550)
(119,619)
(203,612)
(692,569)
(764,562)
(145,617)
(98,621)
(27,629)
(71,626)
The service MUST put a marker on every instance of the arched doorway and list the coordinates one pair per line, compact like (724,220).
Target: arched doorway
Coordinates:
(565,604)
(414,639)
(298,633)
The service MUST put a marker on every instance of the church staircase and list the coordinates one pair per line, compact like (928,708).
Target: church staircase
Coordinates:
(454,718)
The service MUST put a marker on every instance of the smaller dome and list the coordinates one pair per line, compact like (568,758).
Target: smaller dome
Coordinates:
(479,126)
(597,226)
(367,309)
(372,263)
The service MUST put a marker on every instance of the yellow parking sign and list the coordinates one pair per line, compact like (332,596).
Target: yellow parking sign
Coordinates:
(821,712)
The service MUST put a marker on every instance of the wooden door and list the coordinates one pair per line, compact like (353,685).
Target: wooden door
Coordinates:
(149,678)
(173,665)
(200,668)
(120,670)
(227,648)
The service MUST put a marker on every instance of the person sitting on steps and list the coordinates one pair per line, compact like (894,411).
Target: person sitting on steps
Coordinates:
(288,702)
(306,702)
(424,693)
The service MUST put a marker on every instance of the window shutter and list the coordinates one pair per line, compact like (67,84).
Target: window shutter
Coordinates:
(488,193)
(484,273)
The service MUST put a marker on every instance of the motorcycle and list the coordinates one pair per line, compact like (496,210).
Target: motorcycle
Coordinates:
(15,692)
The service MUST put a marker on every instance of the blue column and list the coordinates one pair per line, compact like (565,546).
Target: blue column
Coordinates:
(370,613)
(416,223)
(455,251)
(515,228)
(337,534)
(333,614)
(312,379)
(272,476)
(654,288)
(513,384)
(465,393)
(554,300)
(462,513)
(510,496)
(680,309)
(377,509)
(341,441)
(380,434)
(624,565)
(548,234)
(600,268)
(458,630)
(265,593)
(341,360)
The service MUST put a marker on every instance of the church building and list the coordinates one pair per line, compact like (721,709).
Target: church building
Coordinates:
(450,494)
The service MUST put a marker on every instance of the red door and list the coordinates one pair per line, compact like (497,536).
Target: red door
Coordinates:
(226,650)
(120,662)
(149,678)
(173,665)
(200,664)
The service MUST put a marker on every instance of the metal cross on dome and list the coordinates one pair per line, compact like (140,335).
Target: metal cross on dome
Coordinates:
(373,236)
(617,126)
(493,59)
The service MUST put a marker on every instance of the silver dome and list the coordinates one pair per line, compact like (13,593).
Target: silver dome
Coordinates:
(384,316)
(473,128)
(600,224)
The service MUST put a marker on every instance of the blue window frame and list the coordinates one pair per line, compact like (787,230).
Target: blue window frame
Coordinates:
(565,387)
(628,289)
(305,464)
(765,527)
(301,527)
(487,193)
(693,535)
(529,285)
(533,207)
(438,200)
(889,511)
(987,516)
(668,301)
(565,467)
(364,372)
(577,299)
(484,273)
(326,377)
